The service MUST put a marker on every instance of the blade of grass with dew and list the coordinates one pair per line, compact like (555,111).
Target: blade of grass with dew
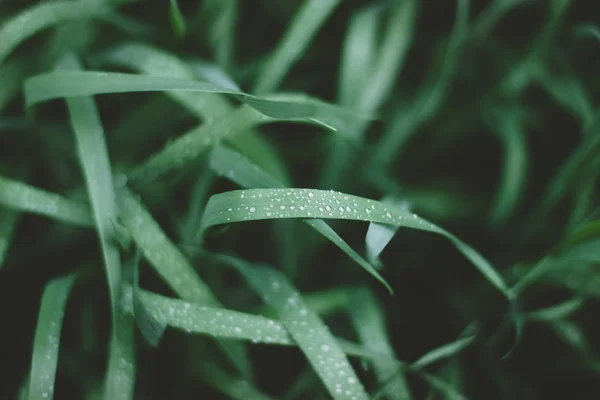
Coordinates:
(44,359)
(313,337)
(22,197)
(213,321)
(93,155)
(221,32)
(60,84)
(368,320)
(262,204)
(206,106)
(177,20)
(307,22)
(20,27)
(171,264)
(9,220)
(241,171)
(429,99)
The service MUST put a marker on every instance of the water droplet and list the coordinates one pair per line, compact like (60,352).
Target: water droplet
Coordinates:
(328,208)
(282,207)
(252,209)
(325,348)
(311,194)
(269,214)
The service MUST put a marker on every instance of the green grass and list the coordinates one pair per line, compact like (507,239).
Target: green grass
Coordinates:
(160,163)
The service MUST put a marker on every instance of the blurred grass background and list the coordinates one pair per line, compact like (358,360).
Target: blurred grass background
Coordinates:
(487,123)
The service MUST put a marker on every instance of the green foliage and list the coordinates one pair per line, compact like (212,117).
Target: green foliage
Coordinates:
(128,128)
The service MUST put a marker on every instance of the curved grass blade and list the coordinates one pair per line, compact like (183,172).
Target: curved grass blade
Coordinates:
(7,227)
(558,312)
(261,204)
(27,23)
(93,154)
(307,22)
(241,171)
(446,351)
(11,74)
(222,30)
(511,131)
(152,329)
(177,20)
(312,336)
(162,254)
(47,337)
(213,321)
(368,321)
(22,197)
(60,84)
(207,106)
(171,264)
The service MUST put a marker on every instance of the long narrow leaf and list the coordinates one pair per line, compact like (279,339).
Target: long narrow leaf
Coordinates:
(241,171)
(22,197)
(261,204)
(47,337)
(306,24)
(60,84)
(7,227)
(93,154)
(313,337)
(27,23)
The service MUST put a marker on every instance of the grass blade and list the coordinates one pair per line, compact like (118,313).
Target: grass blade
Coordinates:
(231,386)
(93,155)
(313,337)
(151,329)
(206,106)
(221,33)
(171,264)
(177,20)
(47,337)
(261,204)
(60,84)
(162,254)
(17,29)
(241,171)
(22,197)
(7,227)
(305,26)
(367,318)
(446,351)
(213,321)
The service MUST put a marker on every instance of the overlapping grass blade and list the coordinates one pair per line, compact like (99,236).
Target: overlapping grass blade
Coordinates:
(305,26)
(60,84)
(177,20)
(47,337)
(557,312)
(241,171)
(213,321)
(22,197)
(312,336)
(261,204)
(151,328)
(429,99)
(93,154)
(11,74)
(206,106)
(511,131)
(27,23)
(171,264)
(221,33)
(445,351)
(367,318)
(9,221)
